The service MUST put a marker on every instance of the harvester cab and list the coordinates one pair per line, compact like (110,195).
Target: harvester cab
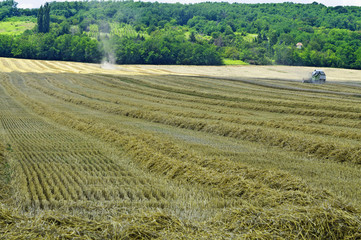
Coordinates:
(317,76)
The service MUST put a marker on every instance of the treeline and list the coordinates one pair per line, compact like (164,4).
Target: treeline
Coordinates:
(44,19)
(325,47)
(43,42)
(49,46)
(8,8)
(207,32)
(164,47)
(254,33)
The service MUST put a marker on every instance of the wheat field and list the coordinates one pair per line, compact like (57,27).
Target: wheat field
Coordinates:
(178,152)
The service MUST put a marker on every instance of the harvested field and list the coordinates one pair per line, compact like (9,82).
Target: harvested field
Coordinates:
(177,152)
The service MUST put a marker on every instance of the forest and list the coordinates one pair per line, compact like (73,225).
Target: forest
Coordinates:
(130,32)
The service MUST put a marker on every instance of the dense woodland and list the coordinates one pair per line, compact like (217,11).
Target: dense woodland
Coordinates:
(200,34)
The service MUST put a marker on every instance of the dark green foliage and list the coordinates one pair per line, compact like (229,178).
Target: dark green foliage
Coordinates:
(41,20)
(49,47)
(254,33)
(165,47)
(44,19)
(8,8)
(192,37)
(6,43)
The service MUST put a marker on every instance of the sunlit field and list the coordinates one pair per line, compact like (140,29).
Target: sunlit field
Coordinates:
(16,25)
(178,152)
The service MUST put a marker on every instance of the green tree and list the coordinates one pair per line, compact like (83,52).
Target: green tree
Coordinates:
(26,47)
(6,43)
(357,63)
(192,37)
(41,19)
(284,54)
(46,16)
(8,8)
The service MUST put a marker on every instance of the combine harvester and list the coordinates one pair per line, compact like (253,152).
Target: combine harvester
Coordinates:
(317,76)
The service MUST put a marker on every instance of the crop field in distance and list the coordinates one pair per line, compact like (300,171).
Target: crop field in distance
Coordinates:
(178,152)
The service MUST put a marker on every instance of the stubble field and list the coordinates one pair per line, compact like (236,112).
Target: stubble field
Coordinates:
(178,152)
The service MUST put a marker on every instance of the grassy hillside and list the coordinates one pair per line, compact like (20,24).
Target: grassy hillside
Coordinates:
(233,62)
(141,152)
(17,25)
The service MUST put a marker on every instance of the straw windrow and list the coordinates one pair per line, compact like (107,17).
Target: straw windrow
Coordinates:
(86,163)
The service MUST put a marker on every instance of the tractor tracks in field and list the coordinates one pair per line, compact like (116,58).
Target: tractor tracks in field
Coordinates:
(53,165)
(261,82)
(72,150)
